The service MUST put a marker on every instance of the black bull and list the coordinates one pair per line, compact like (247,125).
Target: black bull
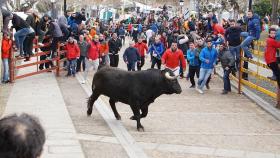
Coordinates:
(137,89)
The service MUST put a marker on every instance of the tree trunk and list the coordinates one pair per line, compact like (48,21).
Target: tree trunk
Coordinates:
(274,14)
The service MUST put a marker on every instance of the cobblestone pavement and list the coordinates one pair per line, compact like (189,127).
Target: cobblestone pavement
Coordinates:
(177,126)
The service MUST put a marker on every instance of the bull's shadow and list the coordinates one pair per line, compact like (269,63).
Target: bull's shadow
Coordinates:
(137,89)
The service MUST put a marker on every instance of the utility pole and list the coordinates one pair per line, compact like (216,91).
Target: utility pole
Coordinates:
(250,4)
(65,7)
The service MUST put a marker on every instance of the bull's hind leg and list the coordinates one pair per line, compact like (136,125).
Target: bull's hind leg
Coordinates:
(94,96)
(136,113)
(144,113)
(113,106)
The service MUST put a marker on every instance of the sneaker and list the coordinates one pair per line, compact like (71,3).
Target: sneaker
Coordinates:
(272,78)
(41,44)
(207,86)
(192,86)
(224,92)
(83,82)
(199,90)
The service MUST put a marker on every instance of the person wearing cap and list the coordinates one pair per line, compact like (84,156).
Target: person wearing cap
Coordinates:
(93,57)
(142,49)
(131,56)
(208,58)
(227,62)
(173,58)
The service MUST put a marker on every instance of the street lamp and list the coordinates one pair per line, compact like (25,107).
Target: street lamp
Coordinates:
(250,4)
(53,11)
(65,7)
(181,3)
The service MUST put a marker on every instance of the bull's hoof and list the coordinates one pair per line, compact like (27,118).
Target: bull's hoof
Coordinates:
(133,118)
(118,117)
(140,129)
(89,112)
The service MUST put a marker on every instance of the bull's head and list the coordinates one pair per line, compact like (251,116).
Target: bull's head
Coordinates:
(171,82)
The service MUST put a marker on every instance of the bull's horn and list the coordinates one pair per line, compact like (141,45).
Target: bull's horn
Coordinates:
(167,75)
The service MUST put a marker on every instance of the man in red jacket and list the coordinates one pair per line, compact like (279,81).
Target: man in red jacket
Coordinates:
(72,54)
(93,57)
(6,48)
(271,57)
(172,58)
(142,49)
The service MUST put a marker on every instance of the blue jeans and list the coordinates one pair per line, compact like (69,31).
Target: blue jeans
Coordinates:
(6,75)
(235,51)
(131,66)
(72,64)
(246,43)
(203,77)
(227,86)
(20,36)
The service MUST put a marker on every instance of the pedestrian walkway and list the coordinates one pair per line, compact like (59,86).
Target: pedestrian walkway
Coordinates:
(40,95)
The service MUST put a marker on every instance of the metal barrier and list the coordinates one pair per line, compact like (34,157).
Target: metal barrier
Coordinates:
(259,56)
(14,67)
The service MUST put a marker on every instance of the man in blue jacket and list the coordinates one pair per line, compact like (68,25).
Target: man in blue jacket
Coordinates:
(156,51)
(208,57)
(253,32)
(194,63)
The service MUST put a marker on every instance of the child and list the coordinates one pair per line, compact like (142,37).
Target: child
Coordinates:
(72,54)
(6,48)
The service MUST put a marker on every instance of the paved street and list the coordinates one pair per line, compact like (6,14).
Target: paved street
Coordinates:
(177,126)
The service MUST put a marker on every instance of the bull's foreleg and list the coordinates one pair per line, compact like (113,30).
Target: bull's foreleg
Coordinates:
(94,96)
(143,114)
(136,112)
(113,106)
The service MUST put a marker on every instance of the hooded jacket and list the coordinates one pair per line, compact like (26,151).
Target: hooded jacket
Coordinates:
(270,51)
(254,26)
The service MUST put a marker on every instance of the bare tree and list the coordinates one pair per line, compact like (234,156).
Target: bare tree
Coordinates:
(274,15)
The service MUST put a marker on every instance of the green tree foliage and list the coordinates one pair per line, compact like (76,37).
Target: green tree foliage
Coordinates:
(263,7)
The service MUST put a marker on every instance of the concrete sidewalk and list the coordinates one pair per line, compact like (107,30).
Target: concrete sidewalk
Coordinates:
(40,95)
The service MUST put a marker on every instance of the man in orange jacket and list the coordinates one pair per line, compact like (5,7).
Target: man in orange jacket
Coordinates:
(6,48)
(172,58)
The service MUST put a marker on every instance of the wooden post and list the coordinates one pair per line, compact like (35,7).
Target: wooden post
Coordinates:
(278,98)
(12,65)
(240,72)
(58,60)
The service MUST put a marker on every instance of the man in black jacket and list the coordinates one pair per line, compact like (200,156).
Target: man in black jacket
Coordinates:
(227,62)
(232,37)
(131,56)
(115,45)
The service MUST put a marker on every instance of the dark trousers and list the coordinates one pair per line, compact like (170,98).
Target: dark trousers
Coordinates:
(81,61)
(122,39)
(140,65)
(227,86)
(28,44)
(54,43)
(72,64)
(46,65)
(131,66)
(156,61)
(192,71)
(114,60)
(275,69)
